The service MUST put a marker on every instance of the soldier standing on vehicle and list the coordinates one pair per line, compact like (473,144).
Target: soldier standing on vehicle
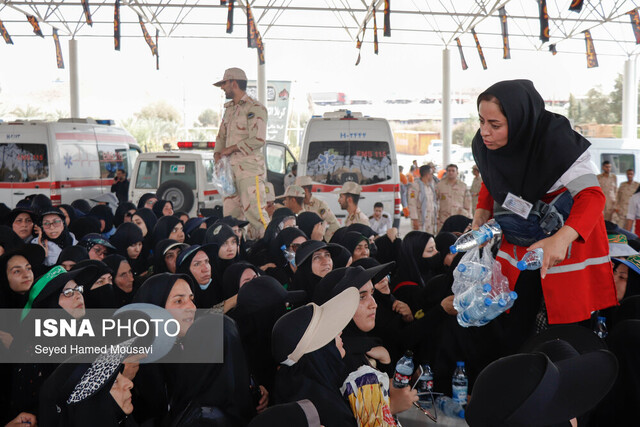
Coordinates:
(423,202)
(311,204)
(348,200)
(241,137)
(453,196)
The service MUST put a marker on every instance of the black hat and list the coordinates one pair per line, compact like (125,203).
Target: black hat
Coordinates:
(32,252)
(91,239)
(307,248)
(265,291)
(193,223)
(17,211)
(553,384)
(50,210)
(187,254)
(218,233)
(340,279)
(311,327)
(369,262)
(300,414)
(232,222)
(46,297)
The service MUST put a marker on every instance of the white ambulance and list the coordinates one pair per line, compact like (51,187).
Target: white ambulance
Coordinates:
(343,146)
(65,160)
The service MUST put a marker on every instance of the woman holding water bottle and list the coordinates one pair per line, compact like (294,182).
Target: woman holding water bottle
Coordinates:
(534,167)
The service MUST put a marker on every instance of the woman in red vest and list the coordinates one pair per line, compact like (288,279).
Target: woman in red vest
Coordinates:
(527,154)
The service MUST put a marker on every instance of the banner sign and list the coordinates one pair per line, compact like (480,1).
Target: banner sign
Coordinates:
(506,52)
(544,21)
(475,37)
(278,104)
(464,62)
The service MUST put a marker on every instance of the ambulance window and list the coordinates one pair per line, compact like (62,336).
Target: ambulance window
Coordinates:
(336,162)
(111,159)
(208,167)
(133,155)
(147,175)
(620,163)
(23,162)
(181,171)
(275,158)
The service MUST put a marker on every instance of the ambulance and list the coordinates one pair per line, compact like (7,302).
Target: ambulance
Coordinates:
(65,160)
(343,146)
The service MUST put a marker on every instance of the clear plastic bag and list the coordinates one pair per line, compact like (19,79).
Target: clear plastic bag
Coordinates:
(223,177)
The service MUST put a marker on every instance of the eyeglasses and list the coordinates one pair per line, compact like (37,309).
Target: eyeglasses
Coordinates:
(56,223)
(98,251)
(294,247)
(68,293)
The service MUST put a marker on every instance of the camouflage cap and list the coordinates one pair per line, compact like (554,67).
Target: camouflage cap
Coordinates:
(231,74)
(349,187)
(293,191)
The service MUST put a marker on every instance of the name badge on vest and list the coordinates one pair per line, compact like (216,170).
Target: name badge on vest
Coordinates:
(517,205)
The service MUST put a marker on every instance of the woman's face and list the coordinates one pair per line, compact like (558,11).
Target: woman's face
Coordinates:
(150,202)
(121,393)
(321,262)
(137,220)
(430,249)
(53,225)
(167,209)
(229,248)
(124,277)
(134,250)
(73,301)
(361,251)
(620,277)
(177,233)
(105,279)
(340,346)
(494,128)
(365,317)
(170,259)
(68,265)
(247,274)
(19,274)
(129,215)
(23,225)
(67,220)
(295,243)
(200,268)
(180,305)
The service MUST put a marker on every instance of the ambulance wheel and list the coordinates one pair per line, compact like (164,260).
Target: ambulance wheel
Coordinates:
(178,193)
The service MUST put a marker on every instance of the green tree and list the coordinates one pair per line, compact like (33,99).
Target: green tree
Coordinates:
(463,133)
(161,110)
(154,126)
(575,109)
(598,107)
(208,118)
(28,113)
(615,98)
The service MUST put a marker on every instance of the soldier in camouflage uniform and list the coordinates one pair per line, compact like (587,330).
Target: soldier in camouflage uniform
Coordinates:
(423,202)
(318,206)
(609,184)
(348,200)
(626,190)
(242,136)
(453,196)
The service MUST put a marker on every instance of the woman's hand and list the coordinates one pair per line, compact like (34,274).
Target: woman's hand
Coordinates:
(447,305)
(6,339)
(555,248)
(401,399)
(402,308)
(480,217)
(380,354)
(230,303)
(43,242)
(264,400)
(23,419)
(267,266)
(318,231)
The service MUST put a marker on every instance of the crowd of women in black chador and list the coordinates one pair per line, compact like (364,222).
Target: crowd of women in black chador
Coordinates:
(299,314)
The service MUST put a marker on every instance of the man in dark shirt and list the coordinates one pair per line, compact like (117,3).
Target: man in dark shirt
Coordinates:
(121,186)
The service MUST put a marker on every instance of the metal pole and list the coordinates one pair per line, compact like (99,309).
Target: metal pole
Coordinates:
(262,81)
(74,80)
(630,100)
(446,107)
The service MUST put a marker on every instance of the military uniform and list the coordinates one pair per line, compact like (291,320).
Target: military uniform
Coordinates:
(380,226)
(625,192)
(453,199)
(475,191)
(609,184)
(245,125)
(357,218)
(322,209)
(289,179)
(417,199)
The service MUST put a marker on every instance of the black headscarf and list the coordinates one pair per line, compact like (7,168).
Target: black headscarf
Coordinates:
(307,220)
(49,295)
(163,228)
(541,145)
(159,265)
(64,239)
(104,213)
(9,239)
(123,208)
(71,212)
(144,198)
(156,289)
(196,237)
(284,238)
(216,235)
(351,239)
(126,235)
(159,206)
(274,226)
(82,205)
(338,235)
(122,298)
(34,254)
(212,295)
(84,225)
(149,219)
(72,253)
(232,276)
(101,297)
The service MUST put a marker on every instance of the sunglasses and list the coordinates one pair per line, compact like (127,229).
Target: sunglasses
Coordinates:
(68,293)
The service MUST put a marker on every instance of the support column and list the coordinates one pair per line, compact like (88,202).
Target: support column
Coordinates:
(262,81)
(74,80)
(446,107)
(630,100)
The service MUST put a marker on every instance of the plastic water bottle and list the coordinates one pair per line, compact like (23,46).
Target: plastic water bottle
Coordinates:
(471,271)
(460,384)
(601,327)
(288,255)
(532,260)
(404,370)
(475,238)
(425,383)
(500,304)
(448,407)
(473,315)
(472,294)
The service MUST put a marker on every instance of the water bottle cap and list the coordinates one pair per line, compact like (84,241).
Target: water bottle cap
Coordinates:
(601,318)
(502,302)
(453,249)
(522,266)
(283,247)
(513,295)
(409,353)
(460,363)
(461,413)
(486,287)
(488,302)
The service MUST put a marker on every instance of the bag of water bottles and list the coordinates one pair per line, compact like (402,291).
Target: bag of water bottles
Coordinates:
(481,290)
(223,177)
(367,391)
